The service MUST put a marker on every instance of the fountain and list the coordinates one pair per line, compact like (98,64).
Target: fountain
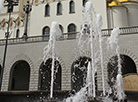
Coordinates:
(113,43)
(49,51)
(90,37)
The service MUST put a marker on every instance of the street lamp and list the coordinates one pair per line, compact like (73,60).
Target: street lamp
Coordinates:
(10,4)
(27,8)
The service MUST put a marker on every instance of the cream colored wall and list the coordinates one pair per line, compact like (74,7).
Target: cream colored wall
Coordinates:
(121,16)
(100,7)
(132,13)
(38,21)
(118,17)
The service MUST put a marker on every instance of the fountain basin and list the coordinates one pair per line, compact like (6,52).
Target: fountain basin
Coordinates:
(96,99)
(33,96)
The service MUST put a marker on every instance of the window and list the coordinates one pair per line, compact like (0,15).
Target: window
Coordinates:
(79,73)
(61,28)
(47,10)
(0,70)
(59,9)
(71,28)
(72,31)
(19,76)
(17,33)
(72,7)
(127,66)
(83,2)
(46,30)
(45,75)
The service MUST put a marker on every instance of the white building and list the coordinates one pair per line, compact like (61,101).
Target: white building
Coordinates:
(68,13)
(122,13)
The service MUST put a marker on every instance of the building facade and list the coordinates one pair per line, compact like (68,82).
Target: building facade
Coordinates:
(24,64)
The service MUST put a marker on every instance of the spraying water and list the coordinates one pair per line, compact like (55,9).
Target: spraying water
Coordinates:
(91,37)
(99,25)
(89,79)
(49,50)
(113,42)
(79,96)
(89,10)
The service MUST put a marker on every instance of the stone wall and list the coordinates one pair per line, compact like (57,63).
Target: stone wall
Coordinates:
(67,52)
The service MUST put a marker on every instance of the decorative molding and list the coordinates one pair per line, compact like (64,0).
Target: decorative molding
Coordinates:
(57,58)
(22,57)
(77,56)
(123,51)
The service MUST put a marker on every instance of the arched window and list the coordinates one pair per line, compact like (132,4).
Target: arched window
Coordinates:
(61,28)
(17,33)
(83,2)
(46,30)
(59,9)
(45,75)
(47,10)
(72,31)
(79,73)
(0,70)
(71,28)
(127,64)
(72,7)
(19,76)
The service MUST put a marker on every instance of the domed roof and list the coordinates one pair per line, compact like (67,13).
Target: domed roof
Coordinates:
(118,2)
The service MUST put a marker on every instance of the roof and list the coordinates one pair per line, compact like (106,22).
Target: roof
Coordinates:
(118,2)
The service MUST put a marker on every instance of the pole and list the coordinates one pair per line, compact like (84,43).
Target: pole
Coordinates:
(5,51)
(27,8)
(26,25)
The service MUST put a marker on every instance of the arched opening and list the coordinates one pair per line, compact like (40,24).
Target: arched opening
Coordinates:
(17,33)
(71,7)
(19,76)
(45,75)
(71,30)
(47,10)
(84,2)
(128,66)
(45,33)
(46,30)
(0,70)
(59,9)
(61,28)
(79,73)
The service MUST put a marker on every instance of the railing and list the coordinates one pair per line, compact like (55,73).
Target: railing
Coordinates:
(66,36)
(42,38)
(123,30)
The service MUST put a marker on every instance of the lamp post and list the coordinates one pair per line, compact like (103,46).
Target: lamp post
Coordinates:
(9,10)
(27,8)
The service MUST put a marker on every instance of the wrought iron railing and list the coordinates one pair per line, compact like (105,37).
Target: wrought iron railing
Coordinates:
(66,36)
